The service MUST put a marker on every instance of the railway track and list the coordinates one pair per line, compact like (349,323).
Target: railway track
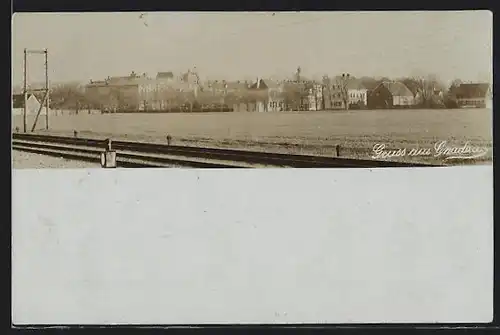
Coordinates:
(140,154)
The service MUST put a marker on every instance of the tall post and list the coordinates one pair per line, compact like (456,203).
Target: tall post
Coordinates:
(47,90)
(345,89)
(25,92)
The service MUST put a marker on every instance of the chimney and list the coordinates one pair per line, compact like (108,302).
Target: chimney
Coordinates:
(258,82)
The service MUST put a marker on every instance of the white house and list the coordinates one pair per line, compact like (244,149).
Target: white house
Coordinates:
(32,105)
(357,94)
(475,95)
(315,97)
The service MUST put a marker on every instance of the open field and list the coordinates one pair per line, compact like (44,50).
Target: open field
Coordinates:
(292,132)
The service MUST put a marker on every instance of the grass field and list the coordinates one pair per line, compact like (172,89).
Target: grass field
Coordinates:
(296,132)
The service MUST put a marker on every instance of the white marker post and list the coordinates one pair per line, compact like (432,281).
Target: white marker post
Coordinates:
(108,158)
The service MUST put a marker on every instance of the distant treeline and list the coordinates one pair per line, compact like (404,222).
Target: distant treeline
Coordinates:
(430,91)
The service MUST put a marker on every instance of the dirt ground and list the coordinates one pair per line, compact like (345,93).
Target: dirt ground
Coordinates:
(356,132)
(27,160)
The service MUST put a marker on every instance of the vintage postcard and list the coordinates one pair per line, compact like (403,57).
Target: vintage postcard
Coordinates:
(217,90)
(125,127)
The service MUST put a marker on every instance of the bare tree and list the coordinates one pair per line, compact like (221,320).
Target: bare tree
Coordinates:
(455,84)
(208,97)
(258,96)
(69,96)
(426,88)
(234,98)
(188,97)
(343,84)
(293,94)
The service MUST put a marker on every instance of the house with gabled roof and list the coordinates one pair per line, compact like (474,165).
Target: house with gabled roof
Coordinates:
(165,75)
(32,104)
(334,92)
(266,95)
(296,95)
(237,96)
(391,94)
(118,93)
(474,95)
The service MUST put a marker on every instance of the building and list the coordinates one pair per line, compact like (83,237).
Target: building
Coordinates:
(258,96)
(214,95)
(32,104)
(276,99)
(265,96)
(118,93)
(315,100)
(168,76)
(237,96)
(357,94)
(474,95)
(296,95)
(156,94)
(138,93)
(335,95)
(391,94)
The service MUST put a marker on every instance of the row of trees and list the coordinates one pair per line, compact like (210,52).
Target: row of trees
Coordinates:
(75,97)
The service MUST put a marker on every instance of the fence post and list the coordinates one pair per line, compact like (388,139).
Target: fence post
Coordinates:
(108,157)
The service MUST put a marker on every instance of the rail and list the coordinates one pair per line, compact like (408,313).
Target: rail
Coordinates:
(155,154)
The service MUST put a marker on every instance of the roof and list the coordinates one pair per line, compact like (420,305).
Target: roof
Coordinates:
(123,81)
(180,86)
(207,96)
(168,74)
(477,90)
(190,77)
(18,100)
(397,88)
(97,83)
(355,84)
(216,85)
(226,85)
(237,85)
(369,83)
(259,84)
(273,84)
(352,83)
(294,85)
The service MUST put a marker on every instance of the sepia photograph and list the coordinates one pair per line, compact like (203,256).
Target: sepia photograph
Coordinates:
(369,141)
(252,90)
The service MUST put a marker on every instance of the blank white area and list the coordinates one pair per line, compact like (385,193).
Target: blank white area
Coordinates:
(252,246)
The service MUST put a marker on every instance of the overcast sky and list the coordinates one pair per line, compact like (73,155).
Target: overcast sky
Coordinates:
(84,46)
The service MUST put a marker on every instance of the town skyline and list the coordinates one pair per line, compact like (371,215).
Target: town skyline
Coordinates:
(81,46)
